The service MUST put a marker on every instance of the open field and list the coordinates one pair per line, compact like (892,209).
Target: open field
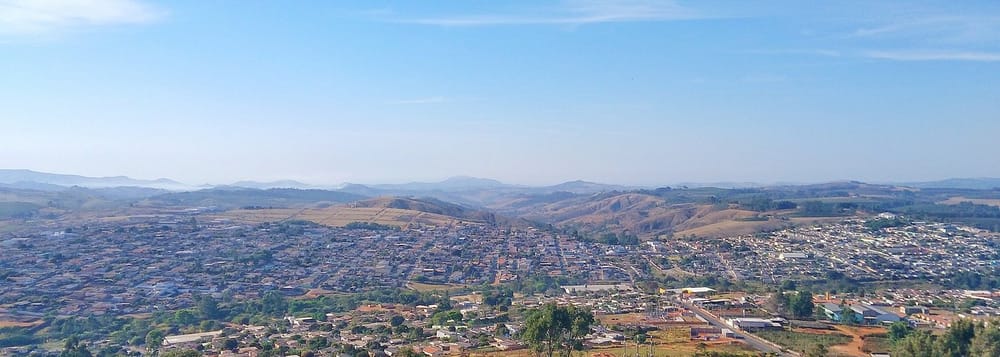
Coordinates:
(979,201)
(621,319)
(730,228)
(853,341)
(339,216)
(858,339)
(738,227)
(684,349)
(422,287)
(805,339)
(876,344)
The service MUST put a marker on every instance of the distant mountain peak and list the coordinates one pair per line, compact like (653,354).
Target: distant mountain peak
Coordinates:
(272,184)
(462,179)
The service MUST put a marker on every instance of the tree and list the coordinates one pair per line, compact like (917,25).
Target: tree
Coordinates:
(802,304)
(987,341)
(847,315)
(273,304)
(641,338)
(416,334)
(780,300)
(555,328)
(898,331)
(917,344)
(73,348)
(209,325)
(957,340)
(185,318)
(231,344)
(318,343)
(396,320)
(153,340)
(442,317)
(209,308)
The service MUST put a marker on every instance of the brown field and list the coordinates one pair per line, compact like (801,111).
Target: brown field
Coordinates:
(635,319)
(853,348)
(144,315)
(19,324)
(814,220)
(315,293)
(665,341)
(422,287)
(339,216)
(621,319)
(979,201)
(731,228)
(677,272)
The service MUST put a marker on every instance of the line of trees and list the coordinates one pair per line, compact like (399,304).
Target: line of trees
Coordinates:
(963,338)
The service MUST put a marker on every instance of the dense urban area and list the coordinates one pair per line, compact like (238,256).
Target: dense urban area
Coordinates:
(191,283)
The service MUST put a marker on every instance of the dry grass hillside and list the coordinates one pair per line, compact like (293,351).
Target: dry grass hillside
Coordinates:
(394,211)
(641,214)
(339,216)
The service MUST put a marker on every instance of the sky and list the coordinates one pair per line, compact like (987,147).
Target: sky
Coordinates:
(531,92)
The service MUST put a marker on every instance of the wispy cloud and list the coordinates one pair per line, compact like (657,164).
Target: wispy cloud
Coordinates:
(576,12)
(934,56)
(33,17)
(893,55)
(428,100)
(951,29)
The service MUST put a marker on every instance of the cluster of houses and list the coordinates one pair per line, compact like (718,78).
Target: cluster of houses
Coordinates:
(159,262)
(916,251)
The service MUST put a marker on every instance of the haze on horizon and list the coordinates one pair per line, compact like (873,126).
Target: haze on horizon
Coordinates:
(628,92)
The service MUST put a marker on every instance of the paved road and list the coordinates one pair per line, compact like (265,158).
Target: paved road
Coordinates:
(751,340)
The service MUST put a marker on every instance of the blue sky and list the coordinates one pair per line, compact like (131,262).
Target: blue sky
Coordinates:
(632,92)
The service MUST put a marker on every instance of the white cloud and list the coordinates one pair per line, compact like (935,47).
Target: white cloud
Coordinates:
(935,56)
(32,17)
(576,12)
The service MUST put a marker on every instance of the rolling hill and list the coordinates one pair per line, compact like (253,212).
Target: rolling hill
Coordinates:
(237,197)
(637,213)
(393,211)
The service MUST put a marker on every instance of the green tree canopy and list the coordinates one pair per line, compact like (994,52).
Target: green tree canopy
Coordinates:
(554,328)
(802,304)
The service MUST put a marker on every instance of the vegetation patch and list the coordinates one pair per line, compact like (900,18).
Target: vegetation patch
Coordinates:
(801,341)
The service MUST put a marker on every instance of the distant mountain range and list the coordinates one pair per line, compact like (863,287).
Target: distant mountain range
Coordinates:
(983,183)
(45,181)
(458,188)
(577,206)
(274,184)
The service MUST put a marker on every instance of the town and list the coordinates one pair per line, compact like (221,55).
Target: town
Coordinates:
(156,265)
